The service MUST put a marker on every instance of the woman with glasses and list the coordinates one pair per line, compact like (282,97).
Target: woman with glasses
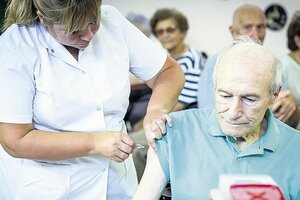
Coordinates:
(170,27)
(64,84)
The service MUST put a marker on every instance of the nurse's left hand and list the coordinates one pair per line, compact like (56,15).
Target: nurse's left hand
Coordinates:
(154,126)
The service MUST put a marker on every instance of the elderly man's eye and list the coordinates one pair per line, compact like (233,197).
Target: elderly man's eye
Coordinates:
(225,96)
(249,100)
(248,27)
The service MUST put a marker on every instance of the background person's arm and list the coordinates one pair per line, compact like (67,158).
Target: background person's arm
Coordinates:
(153,181)
(285,108)
(166,86)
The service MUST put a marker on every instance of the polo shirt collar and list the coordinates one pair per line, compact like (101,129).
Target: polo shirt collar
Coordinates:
(269,140)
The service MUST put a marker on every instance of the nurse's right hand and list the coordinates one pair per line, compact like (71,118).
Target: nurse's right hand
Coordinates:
(114,145)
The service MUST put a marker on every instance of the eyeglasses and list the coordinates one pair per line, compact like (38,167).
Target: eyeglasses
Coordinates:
(169,30)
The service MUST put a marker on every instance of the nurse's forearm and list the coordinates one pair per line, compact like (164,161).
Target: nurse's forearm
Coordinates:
(22,141)
(166,87)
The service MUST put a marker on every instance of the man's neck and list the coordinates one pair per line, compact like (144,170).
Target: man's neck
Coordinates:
(250,138)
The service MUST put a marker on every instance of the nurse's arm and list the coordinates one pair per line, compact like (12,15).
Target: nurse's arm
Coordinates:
(23,141)
(153,181)
(166,86)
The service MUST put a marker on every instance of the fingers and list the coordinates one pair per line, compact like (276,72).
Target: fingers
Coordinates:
(284,109)
(276,107)
(167,119)
(284,94)
(156,128)
(126,139)
(159,125)
(150,136)
(121,146)
(126,145)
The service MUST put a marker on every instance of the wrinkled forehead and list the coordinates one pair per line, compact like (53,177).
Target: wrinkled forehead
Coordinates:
(246,57)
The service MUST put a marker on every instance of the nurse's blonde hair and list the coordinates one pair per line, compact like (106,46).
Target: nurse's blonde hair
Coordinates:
(73,14)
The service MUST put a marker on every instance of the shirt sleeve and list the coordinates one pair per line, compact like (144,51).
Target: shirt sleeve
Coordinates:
(146,58)
(16,88)
(163,153)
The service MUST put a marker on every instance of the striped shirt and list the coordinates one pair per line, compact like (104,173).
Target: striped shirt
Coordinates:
(192,64)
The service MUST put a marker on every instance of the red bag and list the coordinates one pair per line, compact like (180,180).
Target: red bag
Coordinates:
(255,192)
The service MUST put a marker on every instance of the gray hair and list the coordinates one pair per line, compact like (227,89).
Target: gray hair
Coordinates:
(276,81)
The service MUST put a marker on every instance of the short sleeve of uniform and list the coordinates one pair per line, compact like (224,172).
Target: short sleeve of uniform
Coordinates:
(16,86)
(146,58)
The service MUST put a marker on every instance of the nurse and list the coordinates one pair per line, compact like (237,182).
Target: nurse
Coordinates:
(64,85)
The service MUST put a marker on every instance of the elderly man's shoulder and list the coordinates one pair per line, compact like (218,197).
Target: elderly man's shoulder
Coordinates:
(284,128)
(194,113)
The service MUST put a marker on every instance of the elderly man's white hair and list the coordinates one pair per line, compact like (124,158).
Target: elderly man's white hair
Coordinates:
(254,51)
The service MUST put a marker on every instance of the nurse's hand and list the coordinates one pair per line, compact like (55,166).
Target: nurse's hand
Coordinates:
(154,126)
(114,145)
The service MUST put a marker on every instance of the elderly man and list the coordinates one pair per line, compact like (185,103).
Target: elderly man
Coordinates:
(240,135)
(247,20)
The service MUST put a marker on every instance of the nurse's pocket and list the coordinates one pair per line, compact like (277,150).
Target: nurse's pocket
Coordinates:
(41,180)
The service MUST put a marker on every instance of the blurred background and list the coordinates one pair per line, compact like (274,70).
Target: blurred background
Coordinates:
(210,19)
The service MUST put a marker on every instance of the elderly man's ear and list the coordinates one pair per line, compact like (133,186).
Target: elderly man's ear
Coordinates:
(276,94)
(233,31)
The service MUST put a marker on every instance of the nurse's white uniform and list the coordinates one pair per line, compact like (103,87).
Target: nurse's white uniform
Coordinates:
(40,82)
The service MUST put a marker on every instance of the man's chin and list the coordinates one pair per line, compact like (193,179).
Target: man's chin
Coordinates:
(233,131)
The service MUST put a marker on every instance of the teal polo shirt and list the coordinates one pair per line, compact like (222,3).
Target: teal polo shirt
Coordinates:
(194,152)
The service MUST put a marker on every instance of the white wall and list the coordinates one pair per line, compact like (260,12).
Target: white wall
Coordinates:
(209,20)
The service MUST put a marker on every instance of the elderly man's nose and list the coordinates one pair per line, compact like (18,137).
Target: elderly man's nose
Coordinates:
(254,33)
(235,110)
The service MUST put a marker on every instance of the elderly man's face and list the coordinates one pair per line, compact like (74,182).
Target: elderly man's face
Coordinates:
(242,96)
(251,23)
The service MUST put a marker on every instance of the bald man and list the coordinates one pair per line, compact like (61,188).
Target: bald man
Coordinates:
(240,135)
(247,20)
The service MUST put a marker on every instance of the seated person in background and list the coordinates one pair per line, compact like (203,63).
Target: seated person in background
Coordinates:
(291,63)
(239,136)
(170,27)
(247,20)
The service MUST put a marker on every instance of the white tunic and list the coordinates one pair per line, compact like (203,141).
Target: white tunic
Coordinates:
(40,82)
